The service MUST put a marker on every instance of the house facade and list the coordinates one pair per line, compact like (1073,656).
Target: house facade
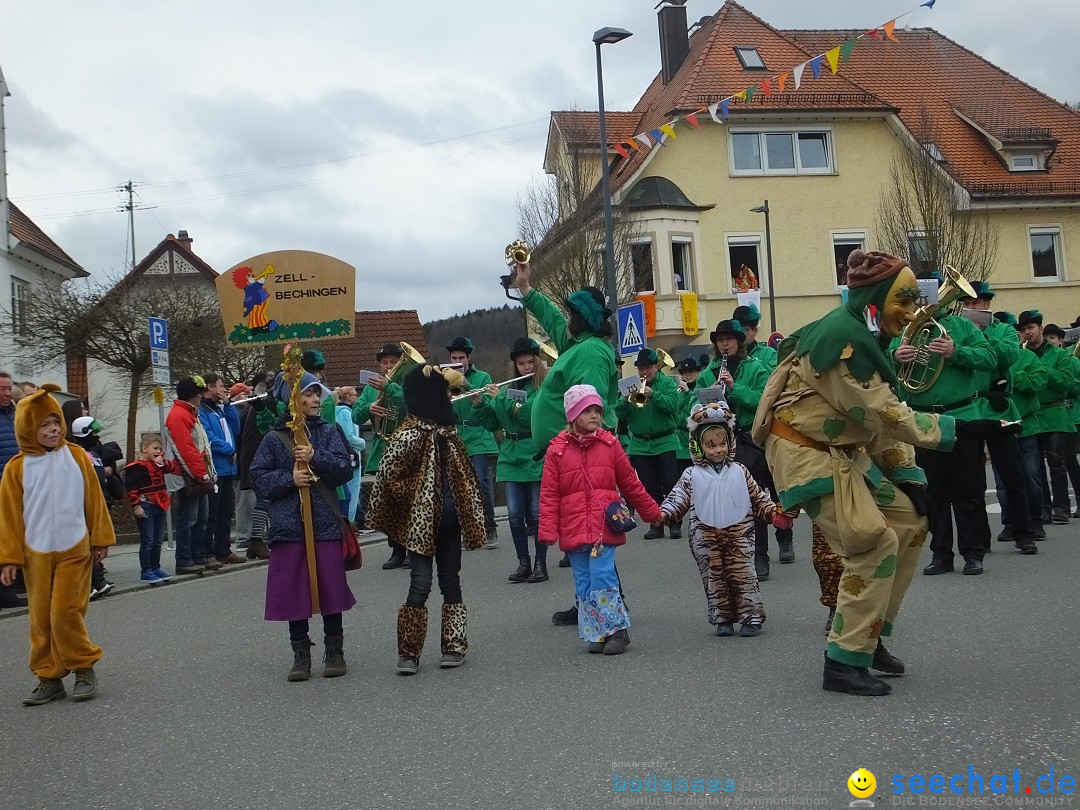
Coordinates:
(822,156)
(28,259)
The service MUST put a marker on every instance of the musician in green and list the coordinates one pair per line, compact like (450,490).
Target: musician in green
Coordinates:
(955,480)
(651,413)
(743,379)
(479,441)
(749,317)
(689,369)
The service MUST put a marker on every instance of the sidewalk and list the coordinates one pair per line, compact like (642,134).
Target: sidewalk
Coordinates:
(123,569)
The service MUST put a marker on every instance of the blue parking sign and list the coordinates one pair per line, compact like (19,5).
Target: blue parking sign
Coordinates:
(632,328)
(159,334)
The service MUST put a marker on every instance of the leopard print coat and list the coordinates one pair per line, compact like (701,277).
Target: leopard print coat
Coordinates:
(406,501)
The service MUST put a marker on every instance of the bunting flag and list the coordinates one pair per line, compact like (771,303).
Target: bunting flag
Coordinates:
(719,110)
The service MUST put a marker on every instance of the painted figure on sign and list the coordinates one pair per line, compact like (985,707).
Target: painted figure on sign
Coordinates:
(256,298)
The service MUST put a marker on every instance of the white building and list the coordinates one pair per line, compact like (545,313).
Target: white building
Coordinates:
(28,258)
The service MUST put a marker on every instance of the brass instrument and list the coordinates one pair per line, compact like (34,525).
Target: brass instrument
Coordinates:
(921,373)
(456,395)
(384,426)
(548,351)
(638,398)
(517,252)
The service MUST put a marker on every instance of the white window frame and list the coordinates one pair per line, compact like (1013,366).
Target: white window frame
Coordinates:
(753,239)
(643,240)
(918,234)
(1059,252)
(846,236)
(20,298)
(1014,167)
(688,280)
(741,49)
(794,131)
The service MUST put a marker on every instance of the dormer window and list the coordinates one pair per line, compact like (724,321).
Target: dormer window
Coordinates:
(749,57)
(1024,163)
(1021,147)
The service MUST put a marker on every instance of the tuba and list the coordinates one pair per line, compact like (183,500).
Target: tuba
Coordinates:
(385,426)
(921,373)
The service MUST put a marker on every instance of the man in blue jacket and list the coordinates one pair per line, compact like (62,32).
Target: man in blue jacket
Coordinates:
(8,448)
(221,421)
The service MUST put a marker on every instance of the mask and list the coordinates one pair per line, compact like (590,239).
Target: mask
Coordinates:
(899,307)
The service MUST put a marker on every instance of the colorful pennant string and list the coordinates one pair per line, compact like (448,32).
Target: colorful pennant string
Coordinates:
(719,110)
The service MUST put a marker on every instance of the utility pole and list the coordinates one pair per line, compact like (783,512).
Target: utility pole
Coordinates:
(129,187)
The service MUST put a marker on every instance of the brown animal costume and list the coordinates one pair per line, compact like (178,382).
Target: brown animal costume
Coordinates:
(427,497)
(53,512)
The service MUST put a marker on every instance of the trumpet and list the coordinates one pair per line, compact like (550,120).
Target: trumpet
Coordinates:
(458,395)
(517,252)
(638,398)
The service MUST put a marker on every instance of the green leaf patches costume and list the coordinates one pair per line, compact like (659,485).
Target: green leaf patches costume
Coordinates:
(838,441)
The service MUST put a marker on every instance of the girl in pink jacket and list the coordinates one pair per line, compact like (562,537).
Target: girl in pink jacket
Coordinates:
(585,469)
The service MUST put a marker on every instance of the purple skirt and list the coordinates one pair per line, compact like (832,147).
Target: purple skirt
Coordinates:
(288,593)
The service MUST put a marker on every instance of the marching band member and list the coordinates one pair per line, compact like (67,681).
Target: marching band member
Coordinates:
(688,370)
(749,317)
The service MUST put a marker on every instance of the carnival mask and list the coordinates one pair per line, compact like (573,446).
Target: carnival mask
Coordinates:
(899,307)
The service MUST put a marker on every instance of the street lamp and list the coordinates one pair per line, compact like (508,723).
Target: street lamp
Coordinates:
(764,209)
(607,36)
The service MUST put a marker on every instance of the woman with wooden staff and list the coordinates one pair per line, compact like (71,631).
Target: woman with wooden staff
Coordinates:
(307,567)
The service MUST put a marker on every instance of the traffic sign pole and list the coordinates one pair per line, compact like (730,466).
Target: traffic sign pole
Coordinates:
(631,318)
(159,361)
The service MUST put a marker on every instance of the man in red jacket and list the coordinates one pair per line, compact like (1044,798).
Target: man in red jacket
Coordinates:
(191,448)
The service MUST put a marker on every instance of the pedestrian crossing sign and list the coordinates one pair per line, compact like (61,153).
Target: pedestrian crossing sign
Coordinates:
(632,328)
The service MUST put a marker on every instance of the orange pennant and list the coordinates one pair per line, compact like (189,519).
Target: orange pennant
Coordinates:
(834,58)
(888,29)
(633,145)
(781,80)
(766,87)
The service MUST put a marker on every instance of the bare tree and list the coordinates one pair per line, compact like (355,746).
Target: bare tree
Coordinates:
(926,215)
(561,216)
(107,322)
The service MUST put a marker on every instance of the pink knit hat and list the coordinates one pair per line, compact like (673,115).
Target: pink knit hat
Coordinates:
(579,397)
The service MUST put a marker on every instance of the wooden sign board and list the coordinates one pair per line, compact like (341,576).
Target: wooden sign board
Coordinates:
(287,296)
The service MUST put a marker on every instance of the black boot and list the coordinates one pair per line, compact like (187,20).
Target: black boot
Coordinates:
(617,643)
(10,599)
(539,572)
(761,568)
(565,561)
(397,560)
(565,618)
(829,623)
(333,657)
(787,551)
(301,668)
(885,661)
(853,680)
(523,572)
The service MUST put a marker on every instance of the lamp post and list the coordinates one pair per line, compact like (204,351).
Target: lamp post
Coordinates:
(607,36)
(764,209)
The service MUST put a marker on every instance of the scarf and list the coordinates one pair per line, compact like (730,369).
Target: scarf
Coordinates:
(407,499)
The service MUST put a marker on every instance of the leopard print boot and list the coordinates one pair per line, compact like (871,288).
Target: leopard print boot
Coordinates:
(411,632)
(454,642)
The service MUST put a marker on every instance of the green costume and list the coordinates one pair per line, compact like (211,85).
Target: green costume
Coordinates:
(1006,348)
(584,359)
(687,400)
(1073,402)
(766,355)
(750,377)
(652,426)
(1027,376)
(361,413)
(1052,416)
(838,441)
(519,458)
(478,439)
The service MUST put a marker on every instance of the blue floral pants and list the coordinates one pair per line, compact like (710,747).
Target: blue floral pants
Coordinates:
(601,611)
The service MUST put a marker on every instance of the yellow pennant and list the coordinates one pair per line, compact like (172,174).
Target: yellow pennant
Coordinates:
(668,130)
(834,58)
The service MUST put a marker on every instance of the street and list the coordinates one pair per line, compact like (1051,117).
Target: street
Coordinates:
(193,709)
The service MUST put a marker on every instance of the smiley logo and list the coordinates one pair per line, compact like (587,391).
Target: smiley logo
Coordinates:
(862,783)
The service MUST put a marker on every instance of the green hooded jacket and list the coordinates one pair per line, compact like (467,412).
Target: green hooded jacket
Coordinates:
(1052,416)
(652,427)
(766,355)
(478,439)
(518,453)
(1027,378)
(361,413)
(744,396)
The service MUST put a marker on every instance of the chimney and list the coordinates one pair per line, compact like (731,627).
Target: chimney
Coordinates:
(674,38)
(183,238)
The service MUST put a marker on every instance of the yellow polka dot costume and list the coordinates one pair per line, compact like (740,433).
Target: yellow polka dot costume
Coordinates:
(53,512)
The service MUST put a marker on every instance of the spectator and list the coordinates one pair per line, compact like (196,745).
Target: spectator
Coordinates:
(83,432)
(9,595)
(346,398)
(250,510)
(144,480)
(222,425)
(190,446)
(26,388)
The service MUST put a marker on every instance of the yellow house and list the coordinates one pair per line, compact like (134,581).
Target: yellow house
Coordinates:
(821,154)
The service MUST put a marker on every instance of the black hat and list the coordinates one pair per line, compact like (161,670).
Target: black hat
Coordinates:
(646,357)
(688,364)
(1029,316)
(1054,329)
(747,315)
(189,387)
(461,344)
(312,360)
(388,350)
(733,328)
(1076,323)
(588,302)
(524,345)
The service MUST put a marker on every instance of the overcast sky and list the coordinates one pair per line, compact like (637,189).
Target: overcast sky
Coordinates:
(394,135)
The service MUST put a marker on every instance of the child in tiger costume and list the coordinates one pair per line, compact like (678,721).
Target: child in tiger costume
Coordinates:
(723,499)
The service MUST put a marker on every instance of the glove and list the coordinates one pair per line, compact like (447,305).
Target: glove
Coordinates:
(976,428)
(921,502)
(782,521)
(997,400)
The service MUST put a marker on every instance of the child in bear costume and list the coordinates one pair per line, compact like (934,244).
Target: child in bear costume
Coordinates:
(56,526)
(427,497)
(723,499)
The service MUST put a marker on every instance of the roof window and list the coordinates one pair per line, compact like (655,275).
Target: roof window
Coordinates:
(934,151)
(749,57)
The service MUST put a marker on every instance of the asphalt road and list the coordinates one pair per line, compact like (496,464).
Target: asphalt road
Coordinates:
(194,710)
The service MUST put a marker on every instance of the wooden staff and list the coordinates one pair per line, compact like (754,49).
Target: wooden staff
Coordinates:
(293,373)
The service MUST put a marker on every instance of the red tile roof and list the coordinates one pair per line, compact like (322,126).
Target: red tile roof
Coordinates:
(581,128)
(929,72)
(373,330)
(24,229)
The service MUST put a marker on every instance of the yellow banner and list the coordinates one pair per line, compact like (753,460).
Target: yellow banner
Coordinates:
(689,313)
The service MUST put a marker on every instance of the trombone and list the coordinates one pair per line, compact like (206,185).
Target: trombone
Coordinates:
(472,391)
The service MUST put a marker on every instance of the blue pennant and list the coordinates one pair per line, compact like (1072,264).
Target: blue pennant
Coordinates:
(815,65)
(929,4)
